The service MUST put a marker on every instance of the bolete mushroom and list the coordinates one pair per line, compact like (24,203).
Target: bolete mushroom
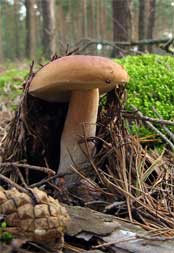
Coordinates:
(80,80)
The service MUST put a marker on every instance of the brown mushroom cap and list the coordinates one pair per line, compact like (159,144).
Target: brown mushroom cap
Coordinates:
(55,81)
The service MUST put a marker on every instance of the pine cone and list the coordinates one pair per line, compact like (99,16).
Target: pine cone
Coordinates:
(35,216)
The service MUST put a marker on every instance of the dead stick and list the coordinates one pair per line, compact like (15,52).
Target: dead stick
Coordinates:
(141,117)
(123,43)
(171,135)
(114,242)
(150,125)
(134,237)
(155,238)
(167,47)
(10,182)
(28,166)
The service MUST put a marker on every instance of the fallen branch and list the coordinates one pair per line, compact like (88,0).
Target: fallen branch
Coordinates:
(135,237)
(150,125)
(139,116)
(167,46)
(28,166)
(12,183)
(87,42)
(124,43)
(170,134)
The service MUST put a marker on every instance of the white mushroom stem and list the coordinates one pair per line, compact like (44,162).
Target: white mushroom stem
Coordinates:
(83,108)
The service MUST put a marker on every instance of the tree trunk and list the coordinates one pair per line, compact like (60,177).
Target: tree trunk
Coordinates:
(98,32)
(85,18)
(121,22)
(141,23)
(151,22)
(30,29)
(17,30)
(61,27)
(103,21)
(38,24)
(1,46)
(92,30)
(49,28)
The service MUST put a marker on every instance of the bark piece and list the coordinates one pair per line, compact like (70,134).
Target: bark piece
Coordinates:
(120,236)
(87,220)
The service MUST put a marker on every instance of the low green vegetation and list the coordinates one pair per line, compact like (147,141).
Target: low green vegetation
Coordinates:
(4,235)
(151,85)
(11,86)
(11,76)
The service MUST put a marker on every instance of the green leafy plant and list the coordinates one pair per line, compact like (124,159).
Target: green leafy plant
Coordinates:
(4,235)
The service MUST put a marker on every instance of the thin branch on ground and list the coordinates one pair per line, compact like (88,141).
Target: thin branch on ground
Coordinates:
(134,237)
(48,171)
(139,116)
(12,183)
(167,46)
(151,126)
(170,134)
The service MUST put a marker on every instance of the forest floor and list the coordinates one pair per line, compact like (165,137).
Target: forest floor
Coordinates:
(142,205)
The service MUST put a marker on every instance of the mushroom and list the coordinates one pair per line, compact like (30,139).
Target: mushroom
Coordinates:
(80,80)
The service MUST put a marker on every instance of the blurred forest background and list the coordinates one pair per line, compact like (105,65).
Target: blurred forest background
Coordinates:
(36,29)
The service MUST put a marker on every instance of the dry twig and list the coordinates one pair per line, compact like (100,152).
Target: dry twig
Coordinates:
(139,116)
(48,171)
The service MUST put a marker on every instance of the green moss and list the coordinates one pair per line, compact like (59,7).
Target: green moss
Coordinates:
(151,84)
